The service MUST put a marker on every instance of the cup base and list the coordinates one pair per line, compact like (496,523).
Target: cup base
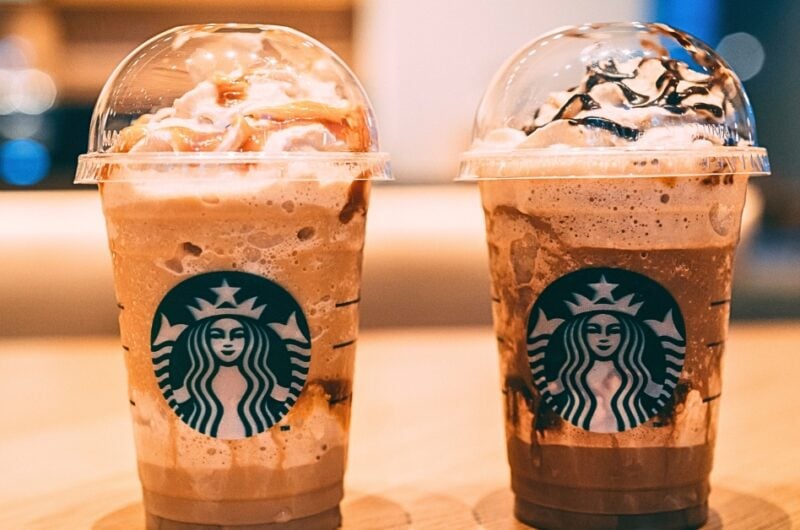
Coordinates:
(327,520)
(545,518)
(318,509)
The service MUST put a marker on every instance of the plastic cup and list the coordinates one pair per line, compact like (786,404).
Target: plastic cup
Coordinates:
(613,208)
(234,164)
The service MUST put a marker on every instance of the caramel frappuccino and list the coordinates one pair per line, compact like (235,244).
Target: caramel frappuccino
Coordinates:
(236,214)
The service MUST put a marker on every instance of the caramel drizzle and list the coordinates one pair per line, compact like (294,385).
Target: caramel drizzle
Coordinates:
(348,125)
(230,91)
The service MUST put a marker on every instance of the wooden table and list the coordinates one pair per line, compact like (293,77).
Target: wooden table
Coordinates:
(427,446)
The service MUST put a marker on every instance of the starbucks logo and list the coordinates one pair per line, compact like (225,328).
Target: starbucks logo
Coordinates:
(606,348)
(231,352)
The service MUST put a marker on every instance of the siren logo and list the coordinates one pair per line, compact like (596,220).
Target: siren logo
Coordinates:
(606,348)
(231,352)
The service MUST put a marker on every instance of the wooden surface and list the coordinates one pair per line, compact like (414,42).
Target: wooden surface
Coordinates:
(427,445)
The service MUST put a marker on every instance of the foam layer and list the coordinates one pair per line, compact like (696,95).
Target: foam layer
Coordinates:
(624,213)
(206,186)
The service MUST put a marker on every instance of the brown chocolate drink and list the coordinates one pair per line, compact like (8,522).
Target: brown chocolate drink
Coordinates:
(661,466)
(612,161)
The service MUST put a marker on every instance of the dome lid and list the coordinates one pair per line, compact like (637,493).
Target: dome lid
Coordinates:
(232,94)
(582,100)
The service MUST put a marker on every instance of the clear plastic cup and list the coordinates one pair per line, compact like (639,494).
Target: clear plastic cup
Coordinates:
(612,162)
(234,164)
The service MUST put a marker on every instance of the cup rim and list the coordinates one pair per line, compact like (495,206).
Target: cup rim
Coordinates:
(612,162)
(94,168)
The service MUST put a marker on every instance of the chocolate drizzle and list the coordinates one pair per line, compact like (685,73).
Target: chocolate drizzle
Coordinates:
(336,390)
(666,416)
(516,391)
(714,110)
(608,73)
(576,104)
(629,133)
(673,87)
(672,100)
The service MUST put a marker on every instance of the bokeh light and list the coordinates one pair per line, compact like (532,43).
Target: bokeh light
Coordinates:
(15,52)
(744,53)
(22,126)
(6,89)
(23,89)
(23,162)
(32,91)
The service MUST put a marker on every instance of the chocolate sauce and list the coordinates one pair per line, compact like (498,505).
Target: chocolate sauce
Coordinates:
(714,110)
(611,126)
(666,416)
(514,386)
(337,390)
(576,104)
(669,97)
(608,73)
(701,57)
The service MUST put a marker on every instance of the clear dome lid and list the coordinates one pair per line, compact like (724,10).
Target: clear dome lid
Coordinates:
(589,99)
(232,94)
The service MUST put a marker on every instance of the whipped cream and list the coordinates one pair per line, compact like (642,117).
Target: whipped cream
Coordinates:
(644,103)
(246,102)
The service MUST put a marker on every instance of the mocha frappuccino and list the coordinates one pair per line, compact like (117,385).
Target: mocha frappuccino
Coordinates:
(236,208)
(612,212)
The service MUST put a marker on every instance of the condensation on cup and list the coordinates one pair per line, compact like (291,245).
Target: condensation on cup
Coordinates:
(234,164)
(612,161)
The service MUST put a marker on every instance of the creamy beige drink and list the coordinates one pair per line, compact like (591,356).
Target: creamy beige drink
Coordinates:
(612,212)
(236,216)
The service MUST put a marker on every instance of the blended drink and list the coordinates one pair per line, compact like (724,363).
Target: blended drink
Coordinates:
(236,213)
(612,211)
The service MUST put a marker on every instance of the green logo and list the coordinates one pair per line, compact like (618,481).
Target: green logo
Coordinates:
(606,348)
(231,352)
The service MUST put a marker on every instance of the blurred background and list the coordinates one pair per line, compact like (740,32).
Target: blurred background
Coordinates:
(425,64)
